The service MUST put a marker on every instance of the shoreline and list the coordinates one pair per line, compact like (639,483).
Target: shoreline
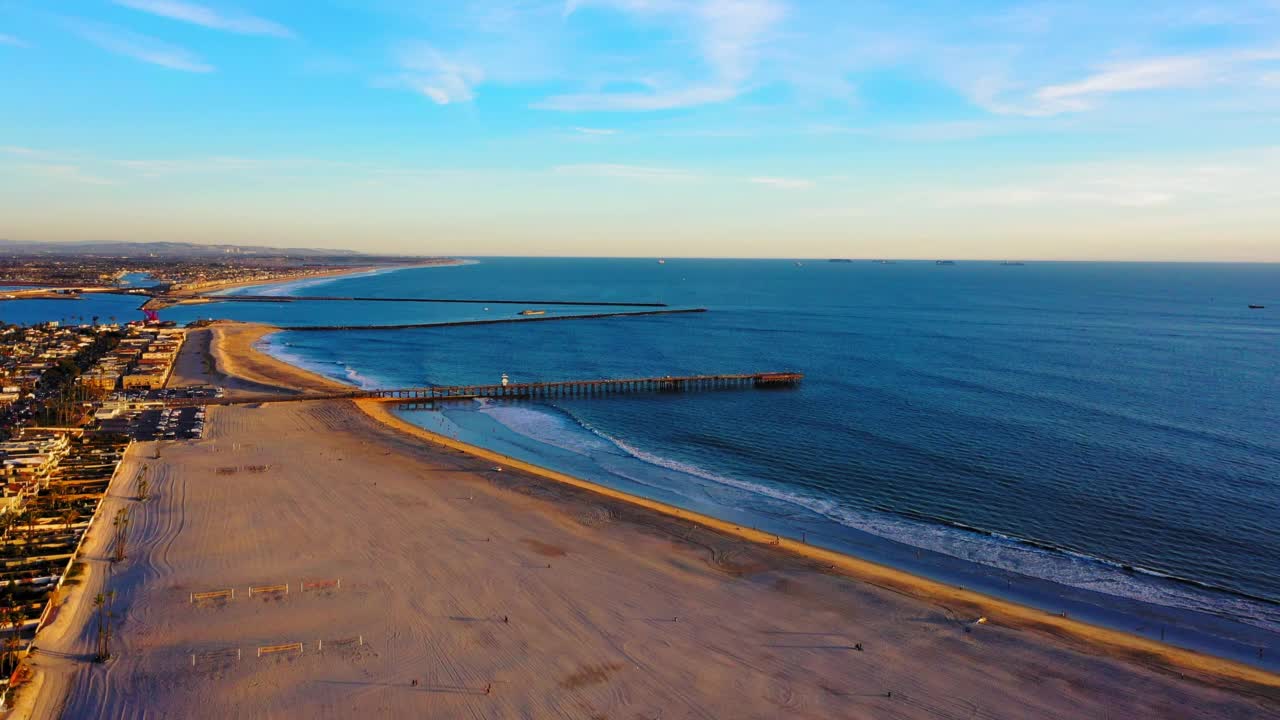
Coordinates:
(523,593)
(998,610)
(327,274)
(206,294)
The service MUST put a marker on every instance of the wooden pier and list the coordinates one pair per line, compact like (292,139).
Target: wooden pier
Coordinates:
(574,388)
(525,391)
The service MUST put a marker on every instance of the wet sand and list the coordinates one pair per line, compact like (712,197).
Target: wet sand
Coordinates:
(504,594)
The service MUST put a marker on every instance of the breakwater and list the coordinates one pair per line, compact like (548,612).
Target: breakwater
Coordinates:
(465,301)
(522,319)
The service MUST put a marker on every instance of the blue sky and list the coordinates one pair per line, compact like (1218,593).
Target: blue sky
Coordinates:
(649,127)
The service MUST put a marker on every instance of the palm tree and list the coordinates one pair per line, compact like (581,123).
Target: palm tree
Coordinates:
(15,620)
(121,525)
(69,516)
(20,517)
(100,606)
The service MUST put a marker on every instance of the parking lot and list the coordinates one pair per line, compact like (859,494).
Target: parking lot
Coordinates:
(195,391)
(160,423)
(168,424)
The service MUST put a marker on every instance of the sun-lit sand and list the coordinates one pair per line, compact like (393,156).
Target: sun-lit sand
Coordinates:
(475,593)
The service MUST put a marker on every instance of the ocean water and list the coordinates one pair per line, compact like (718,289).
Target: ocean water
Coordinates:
(108,308)
(1098,438)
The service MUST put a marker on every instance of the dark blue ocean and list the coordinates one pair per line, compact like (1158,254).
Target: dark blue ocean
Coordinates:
(1098,438)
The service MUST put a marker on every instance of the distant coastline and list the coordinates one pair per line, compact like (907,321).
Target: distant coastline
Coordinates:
(210,292)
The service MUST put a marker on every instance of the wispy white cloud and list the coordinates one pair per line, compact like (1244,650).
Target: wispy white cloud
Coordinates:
(628,172)
(11,41)
(1150,74)
(733,33)
(1231,177)
(671,174)
(595,131)
(942,131)
(63,173)
(730,35)
(783,183)
(632,6)
(443,79)
(639,101)
(161,168)
(140,47)
(1019,196)
(1173,72)
(208,17)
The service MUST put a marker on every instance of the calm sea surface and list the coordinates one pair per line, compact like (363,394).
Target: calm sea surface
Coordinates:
(1092,436)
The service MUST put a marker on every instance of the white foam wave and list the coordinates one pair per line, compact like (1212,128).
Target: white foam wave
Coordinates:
(360,380)
(332,369)
(1068,568)
(548,428)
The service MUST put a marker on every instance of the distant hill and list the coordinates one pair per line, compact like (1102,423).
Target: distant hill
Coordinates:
(163,250)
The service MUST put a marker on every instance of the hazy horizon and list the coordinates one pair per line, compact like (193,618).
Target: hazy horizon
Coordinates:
(649,128)
(780,258)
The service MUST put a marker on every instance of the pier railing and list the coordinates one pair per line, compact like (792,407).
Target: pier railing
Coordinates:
(564,388)
(592,387)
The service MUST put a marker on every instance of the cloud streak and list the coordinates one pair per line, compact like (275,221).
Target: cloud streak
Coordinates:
(63,173)
(783,183)
(1130,186)
(12,41)
(443,79)
(208,17)
(730,34)
(1173,72)
(140,47)
(626,172)
(637,102)
(1153,74)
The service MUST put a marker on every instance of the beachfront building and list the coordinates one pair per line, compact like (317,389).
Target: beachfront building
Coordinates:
(27,463)
(145,378)
(142,361)
(102,379)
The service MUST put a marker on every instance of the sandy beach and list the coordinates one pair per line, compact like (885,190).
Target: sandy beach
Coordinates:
(423,582)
